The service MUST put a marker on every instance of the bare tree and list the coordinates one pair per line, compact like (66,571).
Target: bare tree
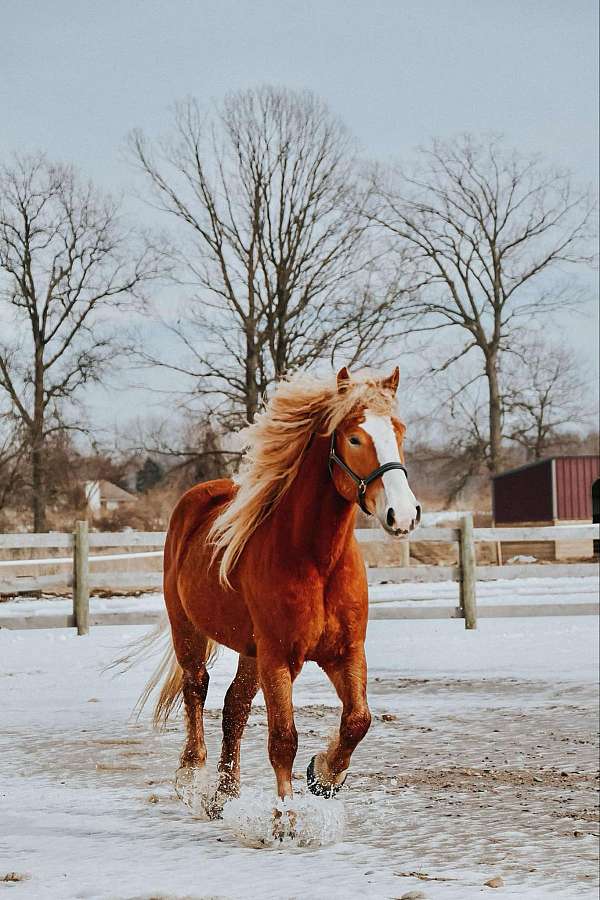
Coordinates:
(544,393)
(12,453)
(66,262)
(485,228)
(184,444)
(274,241)
(465,445)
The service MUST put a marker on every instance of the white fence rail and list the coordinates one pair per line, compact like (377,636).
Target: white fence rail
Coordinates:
(84,572)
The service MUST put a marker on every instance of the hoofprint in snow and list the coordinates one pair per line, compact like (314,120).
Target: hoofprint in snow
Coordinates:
(481,763)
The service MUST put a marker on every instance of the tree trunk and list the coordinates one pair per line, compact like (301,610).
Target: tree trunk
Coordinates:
(38,502)
(538,449)
(495,413)
(251,373)
(281,336)
(38,498)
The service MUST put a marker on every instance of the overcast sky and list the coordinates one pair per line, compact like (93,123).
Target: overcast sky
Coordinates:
(77,76)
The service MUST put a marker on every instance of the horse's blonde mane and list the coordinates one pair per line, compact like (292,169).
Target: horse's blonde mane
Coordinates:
(275,443)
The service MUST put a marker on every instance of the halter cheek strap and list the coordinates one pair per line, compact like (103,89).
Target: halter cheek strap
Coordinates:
(361,483)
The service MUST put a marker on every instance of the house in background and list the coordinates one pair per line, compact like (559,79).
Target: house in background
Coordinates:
(104,497)
(556,491)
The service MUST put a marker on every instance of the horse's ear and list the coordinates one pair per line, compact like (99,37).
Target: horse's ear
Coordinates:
(392,382)
(343,379)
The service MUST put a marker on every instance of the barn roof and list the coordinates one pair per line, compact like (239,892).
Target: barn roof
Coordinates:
(110,491)
(542,462)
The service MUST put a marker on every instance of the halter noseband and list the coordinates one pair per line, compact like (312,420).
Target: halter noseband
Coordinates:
(362,483)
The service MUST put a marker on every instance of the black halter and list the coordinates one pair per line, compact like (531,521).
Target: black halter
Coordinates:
(362,483)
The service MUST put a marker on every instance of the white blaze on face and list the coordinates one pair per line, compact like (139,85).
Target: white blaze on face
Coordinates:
(396,494)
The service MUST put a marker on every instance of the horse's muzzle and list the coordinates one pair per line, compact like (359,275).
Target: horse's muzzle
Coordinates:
(401,528)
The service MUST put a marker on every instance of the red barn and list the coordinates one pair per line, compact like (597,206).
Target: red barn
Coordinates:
(553,491)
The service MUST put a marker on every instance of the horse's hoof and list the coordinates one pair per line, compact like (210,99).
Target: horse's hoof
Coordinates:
(284,824)
(189,781)
(192,786)
(317,787)
(213,806)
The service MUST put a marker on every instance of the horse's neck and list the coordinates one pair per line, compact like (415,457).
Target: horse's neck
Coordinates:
(313,520)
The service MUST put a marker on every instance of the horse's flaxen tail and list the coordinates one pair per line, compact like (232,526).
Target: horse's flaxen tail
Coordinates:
(168,673)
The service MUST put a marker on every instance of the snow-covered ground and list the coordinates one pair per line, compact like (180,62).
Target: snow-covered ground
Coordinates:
(481,763)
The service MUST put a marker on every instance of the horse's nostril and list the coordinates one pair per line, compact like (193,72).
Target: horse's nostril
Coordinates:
(391,517)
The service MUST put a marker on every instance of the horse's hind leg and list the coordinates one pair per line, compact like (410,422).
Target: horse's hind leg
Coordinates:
(327,771)
(190,782)
(236,709)
(191,651)
(195,688)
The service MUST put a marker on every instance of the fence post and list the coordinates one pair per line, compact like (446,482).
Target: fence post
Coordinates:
(468,574)
(81,583)
(404,547)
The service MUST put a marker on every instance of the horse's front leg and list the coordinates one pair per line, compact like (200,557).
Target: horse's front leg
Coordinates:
(327,771)
(276,679)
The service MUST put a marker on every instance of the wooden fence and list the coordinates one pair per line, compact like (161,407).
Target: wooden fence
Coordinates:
(80,558)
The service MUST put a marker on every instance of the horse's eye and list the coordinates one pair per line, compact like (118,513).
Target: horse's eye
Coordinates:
(354,440)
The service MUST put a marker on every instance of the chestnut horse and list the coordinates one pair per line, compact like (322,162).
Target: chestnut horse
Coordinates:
(270,567)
